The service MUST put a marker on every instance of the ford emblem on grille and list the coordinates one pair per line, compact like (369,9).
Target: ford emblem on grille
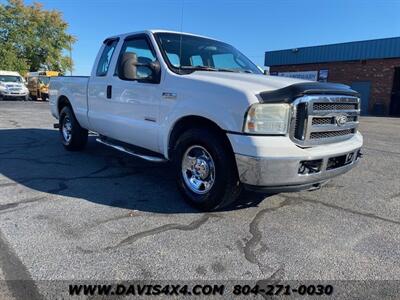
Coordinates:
(341,120)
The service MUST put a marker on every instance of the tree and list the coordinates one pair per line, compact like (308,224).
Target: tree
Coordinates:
(32,38)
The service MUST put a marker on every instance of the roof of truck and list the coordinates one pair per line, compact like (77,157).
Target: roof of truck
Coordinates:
(150,31)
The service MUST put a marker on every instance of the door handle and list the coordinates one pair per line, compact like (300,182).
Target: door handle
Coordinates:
(109,91)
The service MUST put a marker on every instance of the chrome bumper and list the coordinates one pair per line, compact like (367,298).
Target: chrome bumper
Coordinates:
(13,95)
(282,174)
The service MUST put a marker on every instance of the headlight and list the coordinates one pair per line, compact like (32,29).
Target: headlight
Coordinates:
(267,119)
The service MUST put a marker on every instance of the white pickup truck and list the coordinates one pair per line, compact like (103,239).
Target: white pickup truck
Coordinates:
(204,106)
(12,86)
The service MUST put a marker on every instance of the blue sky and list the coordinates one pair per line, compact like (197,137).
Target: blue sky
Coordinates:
(251,26)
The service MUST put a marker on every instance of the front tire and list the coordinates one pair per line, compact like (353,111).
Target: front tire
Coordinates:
(205,169)
(73,136)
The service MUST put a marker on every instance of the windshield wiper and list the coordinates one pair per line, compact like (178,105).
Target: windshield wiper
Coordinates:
(227,70)
(198,68)
(205,68)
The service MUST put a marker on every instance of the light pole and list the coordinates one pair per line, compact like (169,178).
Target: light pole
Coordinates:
(70,57)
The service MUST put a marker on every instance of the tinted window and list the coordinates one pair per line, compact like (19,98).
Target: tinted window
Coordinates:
(188,53)
(105,59)
(174,59)
(143,52)
(227,60)
(141,48)
(196,60)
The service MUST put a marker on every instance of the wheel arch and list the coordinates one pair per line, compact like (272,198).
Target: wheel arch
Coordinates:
(63,101)
(194,121)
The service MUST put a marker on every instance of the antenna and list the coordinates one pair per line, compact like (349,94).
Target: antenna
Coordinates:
(182,9)
(180,42)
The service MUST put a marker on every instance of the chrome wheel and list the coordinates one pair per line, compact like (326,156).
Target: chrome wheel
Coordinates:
(198,169)
(67,129)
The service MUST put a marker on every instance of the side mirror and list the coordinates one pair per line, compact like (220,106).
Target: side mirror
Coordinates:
(143,69)
(127,67)
(155,71)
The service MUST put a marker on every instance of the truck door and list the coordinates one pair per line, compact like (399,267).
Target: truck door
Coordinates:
(135,103)
(99,104)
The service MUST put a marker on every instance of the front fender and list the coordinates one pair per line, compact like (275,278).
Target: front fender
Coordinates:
(224,118)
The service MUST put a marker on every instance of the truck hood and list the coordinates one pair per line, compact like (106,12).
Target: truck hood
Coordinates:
(247,83)
(271,89)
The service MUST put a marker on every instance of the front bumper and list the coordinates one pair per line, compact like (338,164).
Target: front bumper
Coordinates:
(14,95)
(273,163)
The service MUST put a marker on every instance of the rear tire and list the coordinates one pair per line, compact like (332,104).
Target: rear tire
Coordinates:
(205,170)
(73,136)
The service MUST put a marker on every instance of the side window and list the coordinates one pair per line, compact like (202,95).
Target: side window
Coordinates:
(144,54)
(105,59)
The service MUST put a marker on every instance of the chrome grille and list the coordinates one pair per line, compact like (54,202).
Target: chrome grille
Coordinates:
(334,106)
(329,134)
(330,120)
(322,119)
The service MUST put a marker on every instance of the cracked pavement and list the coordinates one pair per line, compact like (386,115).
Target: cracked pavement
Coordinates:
(101,214)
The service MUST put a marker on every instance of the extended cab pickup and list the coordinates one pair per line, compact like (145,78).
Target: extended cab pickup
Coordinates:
(204,106)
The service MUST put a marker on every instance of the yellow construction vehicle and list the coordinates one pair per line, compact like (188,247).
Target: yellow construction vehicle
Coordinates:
(38,84)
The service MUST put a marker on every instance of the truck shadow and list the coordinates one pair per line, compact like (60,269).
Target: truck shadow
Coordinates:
(36,159)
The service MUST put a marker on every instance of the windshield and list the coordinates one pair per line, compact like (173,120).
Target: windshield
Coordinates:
(185,54)
(9,78)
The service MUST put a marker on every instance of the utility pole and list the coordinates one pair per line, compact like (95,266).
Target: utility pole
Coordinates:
(70,57)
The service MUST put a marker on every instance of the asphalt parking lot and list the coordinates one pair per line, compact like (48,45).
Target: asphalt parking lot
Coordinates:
(100,214)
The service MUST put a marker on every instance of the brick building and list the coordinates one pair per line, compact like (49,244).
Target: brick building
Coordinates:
(370,67)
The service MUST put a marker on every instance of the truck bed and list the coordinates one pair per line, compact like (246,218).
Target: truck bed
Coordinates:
(75,89)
